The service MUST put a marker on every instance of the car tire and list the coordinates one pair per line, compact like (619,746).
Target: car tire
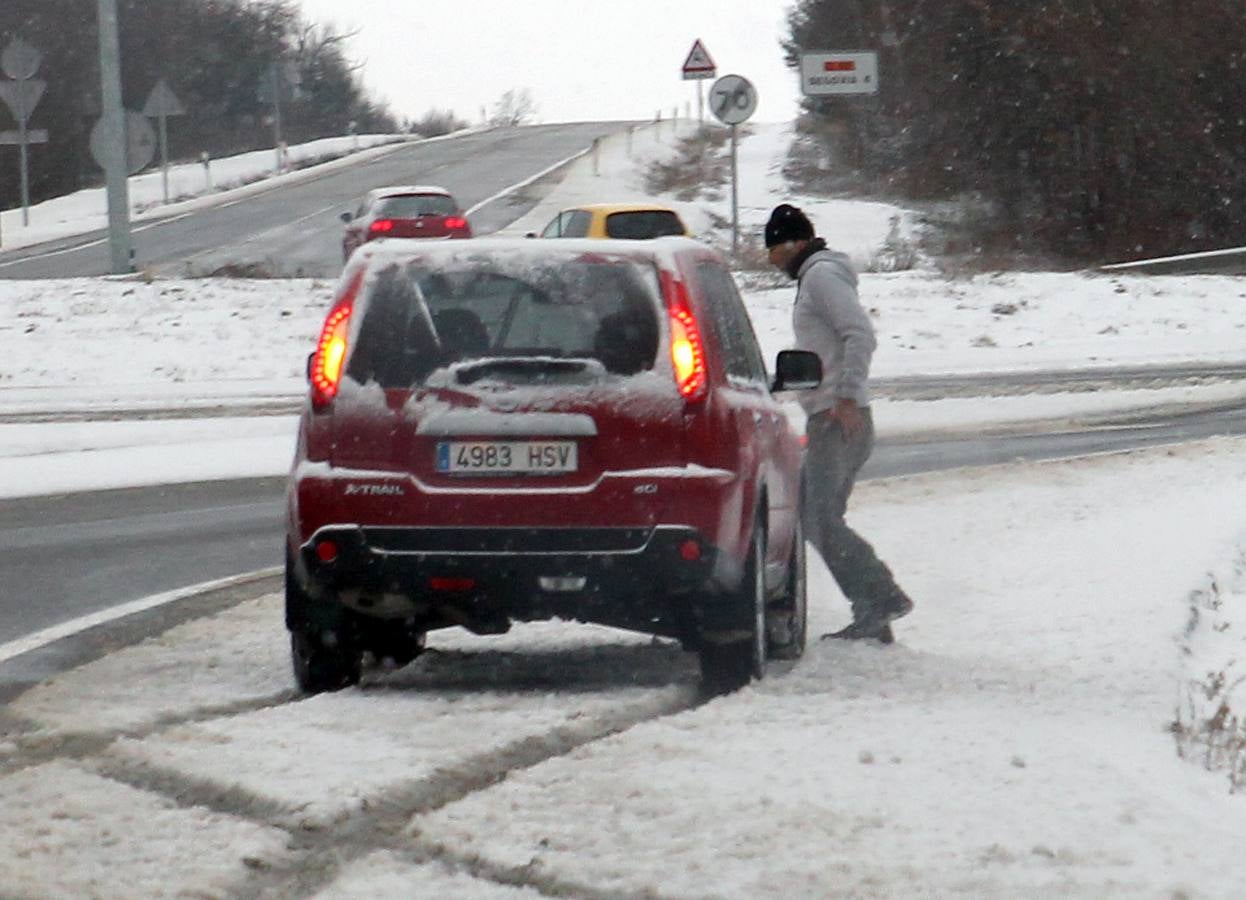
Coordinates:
(395,642)
(323,662)
(728,667)
(788,623)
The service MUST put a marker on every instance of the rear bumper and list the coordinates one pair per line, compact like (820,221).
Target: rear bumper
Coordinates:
(635,578)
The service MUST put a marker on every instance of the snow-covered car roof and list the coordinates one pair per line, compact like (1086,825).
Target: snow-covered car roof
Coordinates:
(660,250)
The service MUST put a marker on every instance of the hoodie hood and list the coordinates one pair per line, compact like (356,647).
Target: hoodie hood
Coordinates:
(840,262)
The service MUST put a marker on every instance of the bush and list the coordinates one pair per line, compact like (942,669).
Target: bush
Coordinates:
(701,166)
(437,122)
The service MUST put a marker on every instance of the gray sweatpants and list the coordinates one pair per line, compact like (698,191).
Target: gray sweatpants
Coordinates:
(831,465)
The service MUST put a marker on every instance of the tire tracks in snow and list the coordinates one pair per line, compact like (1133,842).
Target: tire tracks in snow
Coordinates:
(320,852)
(385,820)
(34,746)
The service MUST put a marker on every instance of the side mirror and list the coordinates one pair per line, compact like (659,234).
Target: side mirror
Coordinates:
(797,370)
(346,217)
(310,356)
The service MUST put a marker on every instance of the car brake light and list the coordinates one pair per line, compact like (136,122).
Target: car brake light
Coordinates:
(327,361)
(381,226)
(687,348)
(451,584)
(456,223)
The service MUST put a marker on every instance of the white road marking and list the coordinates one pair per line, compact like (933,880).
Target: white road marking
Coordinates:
(55,633)
(77,247)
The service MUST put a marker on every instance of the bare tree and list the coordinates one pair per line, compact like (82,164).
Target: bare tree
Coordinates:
(436,122)
(515,107)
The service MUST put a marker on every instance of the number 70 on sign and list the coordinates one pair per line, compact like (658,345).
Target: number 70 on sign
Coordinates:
(733,99)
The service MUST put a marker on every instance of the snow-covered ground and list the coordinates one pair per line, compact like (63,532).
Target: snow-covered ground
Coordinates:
(1018,741)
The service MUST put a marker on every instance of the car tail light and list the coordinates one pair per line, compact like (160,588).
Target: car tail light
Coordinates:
(330,355)
(381,227)
(326,551)
(456,223)
(687,348)
(451,584)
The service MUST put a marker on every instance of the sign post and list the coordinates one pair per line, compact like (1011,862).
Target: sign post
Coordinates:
(161,104)
(20,62)
(112,139)
(698,67)
(732,100)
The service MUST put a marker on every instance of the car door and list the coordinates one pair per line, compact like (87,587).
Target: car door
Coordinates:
(571,223)
(354,235)
(758,418)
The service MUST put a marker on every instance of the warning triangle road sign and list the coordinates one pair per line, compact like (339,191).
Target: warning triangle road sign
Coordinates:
(699,64)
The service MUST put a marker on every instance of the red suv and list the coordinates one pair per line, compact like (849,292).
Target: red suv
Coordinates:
(513,430)
(414,211)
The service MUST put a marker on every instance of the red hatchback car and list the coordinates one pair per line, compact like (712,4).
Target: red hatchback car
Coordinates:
(413,211)
(513,430)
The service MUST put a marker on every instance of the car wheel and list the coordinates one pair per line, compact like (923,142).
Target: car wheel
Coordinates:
(323,662)
(788,622)
(396,642)
(727,667)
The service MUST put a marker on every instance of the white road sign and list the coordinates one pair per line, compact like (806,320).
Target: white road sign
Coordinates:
(21,97)
(829,73)
(162,102)
(140,142)
(699,64)
(19,60)
(733,99)
(31,136)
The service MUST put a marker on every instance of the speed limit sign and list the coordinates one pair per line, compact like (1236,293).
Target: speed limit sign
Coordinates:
(733,99)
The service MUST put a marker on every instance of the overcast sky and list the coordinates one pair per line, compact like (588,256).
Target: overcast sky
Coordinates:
(583,60)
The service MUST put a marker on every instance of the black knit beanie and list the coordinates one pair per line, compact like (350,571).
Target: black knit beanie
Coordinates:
(787,223)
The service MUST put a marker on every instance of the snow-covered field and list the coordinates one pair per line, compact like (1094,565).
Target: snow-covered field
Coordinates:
(1016,742)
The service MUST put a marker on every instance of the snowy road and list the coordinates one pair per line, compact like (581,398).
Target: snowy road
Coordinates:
(1013,743)
(291,229)
(82,553)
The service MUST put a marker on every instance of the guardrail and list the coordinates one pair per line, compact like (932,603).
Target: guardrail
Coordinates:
(1214,262)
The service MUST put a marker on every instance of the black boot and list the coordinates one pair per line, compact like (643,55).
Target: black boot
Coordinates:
(863,631)
(873,623)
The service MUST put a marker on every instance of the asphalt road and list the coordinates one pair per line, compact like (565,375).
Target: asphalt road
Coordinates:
(294,230)
(62,557)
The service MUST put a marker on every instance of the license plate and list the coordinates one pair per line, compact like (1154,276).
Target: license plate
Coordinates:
(506,457)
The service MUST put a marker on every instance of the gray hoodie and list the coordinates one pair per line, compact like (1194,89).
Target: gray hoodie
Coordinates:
(829,320)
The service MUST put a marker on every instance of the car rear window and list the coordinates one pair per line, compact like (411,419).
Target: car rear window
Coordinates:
(412,206)
(419,319)
(643,224)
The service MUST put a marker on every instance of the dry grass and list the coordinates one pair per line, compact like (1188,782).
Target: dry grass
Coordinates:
(1206,727)
(700,167)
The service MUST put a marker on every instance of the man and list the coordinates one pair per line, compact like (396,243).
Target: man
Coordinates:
(828,319)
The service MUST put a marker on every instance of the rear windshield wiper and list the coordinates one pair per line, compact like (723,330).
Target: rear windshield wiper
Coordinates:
(520,366)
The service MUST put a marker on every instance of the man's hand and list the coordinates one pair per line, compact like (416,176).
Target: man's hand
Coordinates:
(848,414)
